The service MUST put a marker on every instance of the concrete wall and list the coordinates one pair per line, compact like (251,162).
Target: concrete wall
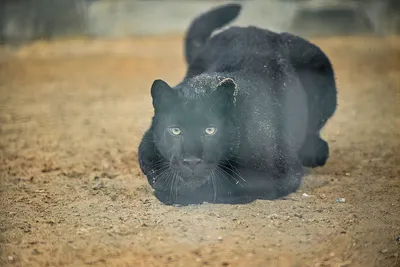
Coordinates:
(24,20)
(145,17)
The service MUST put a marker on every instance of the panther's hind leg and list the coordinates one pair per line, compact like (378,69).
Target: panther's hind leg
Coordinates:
(317,77)
(321,93)
(315,152)
(320,87)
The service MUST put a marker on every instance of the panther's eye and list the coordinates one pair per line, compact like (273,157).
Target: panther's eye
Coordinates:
(175,131)
(211,130)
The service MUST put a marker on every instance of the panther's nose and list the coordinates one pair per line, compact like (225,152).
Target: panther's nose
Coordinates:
(191,162)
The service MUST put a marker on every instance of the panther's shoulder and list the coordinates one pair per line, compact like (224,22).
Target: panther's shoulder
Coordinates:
(201,85)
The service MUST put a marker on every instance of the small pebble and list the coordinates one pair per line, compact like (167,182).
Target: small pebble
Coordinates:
(398,239)
(383,251)
(98,186)
(273,216)
(340,200)
(10,258)
(220,238)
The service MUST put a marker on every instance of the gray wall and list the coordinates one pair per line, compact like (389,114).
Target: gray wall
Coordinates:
(24,20)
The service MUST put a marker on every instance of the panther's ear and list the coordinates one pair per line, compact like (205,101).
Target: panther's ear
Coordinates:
(162,94)
(225,92)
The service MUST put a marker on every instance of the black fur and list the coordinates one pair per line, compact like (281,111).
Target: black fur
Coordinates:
(267,94)
(204,25)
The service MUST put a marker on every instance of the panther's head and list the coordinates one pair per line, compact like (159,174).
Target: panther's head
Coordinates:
(193,127)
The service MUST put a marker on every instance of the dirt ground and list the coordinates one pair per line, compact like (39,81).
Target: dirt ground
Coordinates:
(72,113)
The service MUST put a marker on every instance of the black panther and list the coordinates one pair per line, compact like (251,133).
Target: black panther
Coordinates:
(245,119)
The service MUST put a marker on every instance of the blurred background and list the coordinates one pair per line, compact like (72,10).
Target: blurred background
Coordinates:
(75,79)
(23,20)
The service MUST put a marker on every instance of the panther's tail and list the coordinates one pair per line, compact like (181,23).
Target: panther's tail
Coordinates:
(203,26)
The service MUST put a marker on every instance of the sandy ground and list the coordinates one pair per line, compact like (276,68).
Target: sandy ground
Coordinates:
(71,116)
